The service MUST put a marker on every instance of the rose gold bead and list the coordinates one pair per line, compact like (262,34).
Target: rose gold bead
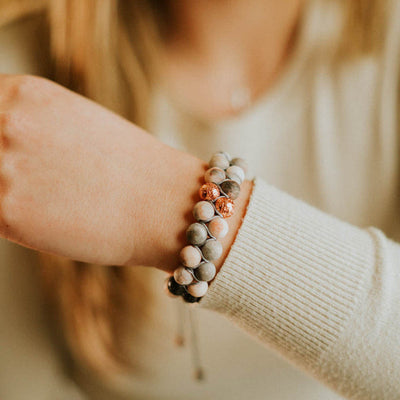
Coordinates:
(225,206)
(209,191)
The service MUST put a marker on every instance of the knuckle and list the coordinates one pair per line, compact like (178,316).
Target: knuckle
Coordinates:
(15,87)
(10,92)
(5,121)
(11,124)
(5,117)
(8,215)
(13,167)
(37,85)
(25,85)
(18,87)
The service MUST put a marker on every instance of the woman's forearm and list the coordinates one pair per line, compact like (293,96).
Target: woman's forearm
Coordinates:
(321,292)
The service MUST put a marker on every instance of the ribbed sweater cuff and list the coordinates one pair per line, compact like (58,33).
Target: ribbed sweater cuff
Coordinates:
(293,275)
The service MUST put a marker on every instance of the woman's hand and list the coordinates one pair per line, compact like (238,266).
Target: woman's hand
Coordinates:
(78,181)
(81,182)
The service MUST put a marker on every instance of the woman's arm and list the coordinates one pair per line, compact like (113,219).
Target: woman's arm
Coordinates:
(322,293)
(81,182)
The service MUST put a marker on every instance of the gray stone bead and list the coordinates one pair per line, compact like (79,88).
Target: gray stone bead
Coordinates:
(231,189)
(205,271)
(235,170)
(219,160)
(212,250)
(227,155)
(236,178)
(196,234)
(240,163)
(214,175)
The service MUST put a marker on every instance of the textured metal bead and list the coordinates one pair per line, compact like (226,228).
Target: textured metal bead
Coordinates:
(231,189)
(173,288)
(240,162)
(203,211)
(225,206)
(214,175)
(209,191)
(212,250)
(218,227)
(198,289)
(188,298)
(196,234)
(205,271)
(219,160)
(235,170)
(190,256)
(182,276)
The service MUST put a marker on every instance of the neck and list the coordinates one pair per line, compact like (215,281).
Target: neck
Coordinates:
(212,29)
(231,43)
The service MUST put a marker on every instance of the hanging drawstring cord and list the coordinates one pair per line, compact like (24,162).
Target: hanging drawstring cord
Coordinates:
(198,369)
(182,309)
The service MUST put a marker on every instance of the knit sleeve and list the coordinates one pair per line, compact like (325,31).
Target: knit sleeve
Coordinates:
(319,291)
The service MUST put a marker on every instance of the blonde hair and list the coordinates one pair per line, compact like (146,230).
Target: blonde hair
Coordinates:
(114,65)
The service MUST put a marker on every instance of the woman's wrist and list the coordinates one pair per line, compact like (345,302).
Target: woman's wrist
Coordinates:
(173,203)
(158,231)
(203,248)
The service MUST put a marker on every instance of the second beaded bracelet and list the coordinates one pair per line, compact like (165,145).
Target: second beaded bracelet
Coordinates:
(217,194)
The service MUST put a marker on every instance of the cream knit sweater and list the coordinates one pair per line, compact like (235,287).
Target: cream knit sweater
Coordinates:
(312,274)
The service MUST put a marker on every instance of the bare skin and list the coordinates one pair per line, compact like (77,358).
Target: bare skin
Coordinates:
(217,46)
(79,181)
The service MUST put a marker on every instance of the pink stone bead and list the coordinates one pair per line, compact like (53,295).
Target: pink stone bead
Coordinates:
(198,289)
(214,175)
(190,256)
(225,206)
(203,211)
(218,227)
(209,191)
(183,276)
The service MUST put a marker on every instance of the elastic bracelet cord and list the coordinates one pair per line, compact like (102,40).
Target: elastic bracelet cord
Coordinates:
(190,280)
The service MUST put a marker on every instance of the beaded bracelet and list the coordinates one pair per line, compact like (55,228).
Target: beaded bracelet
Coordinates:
(222,187)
